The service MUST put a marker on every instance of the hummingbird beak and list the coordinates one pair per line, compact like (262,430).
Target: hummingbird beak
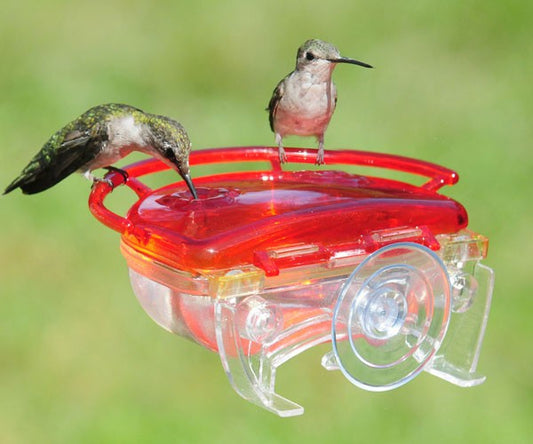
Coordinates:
(169,157)
(188,181)
(352,61)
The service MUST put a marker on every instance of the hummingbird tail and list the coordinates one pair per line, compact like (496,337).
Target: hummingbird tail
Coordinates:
(31,184)
(11,187)
(34,180)
(47,169)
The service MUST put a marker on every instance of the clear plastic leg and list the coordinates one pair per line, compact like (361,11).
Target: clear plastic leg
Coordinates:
(457,359)
(244,331)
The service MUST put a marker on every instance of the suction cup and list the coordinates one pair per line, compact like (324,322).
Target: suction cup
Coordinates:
(391,316)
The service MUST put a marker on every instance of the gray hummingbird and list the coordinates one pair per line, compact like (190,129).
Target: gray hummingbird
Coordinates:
(101,136)
(303,102)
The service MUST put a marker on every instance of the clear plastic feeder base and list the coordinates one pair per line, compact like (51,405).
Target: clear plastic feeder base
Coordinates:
(404,309)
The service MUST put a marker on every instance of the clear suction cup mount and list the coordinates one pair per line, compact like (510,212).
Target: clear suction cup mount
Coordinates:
(391,316)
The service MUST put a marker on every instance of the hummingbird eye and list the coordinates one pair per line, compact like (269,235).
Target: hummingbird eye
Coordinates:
(309,56)
(169,154)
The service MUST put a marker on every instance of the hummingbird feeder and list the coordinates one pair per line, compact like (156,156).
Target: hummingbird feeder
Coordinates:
(268,263)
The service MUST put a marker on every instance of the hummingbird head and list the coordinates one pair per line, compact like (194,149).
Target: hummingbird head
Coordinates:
(318,53)
(172,144)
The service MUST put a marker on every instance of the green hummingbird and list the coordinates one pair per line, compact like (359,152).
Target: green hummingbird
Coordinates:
(101,136)
(303,102)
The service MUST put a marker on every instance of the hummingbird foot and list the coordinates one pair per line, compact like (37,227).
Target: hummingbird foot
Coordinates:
(88,175)
(97,180)
(281,151)
(320,155)
(123,173)
(92,178)
(282,155)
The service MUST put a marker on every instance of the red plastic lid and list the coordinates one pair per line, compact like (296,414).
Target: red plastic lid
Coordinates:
(275,218)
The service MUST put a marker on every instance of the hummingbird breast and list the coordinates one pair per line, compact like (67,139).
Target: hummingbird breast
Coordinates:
(125,135)
(306,106)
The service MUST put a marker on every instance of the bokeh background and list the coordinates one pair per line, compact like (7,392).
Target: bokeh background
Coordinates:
(79,359)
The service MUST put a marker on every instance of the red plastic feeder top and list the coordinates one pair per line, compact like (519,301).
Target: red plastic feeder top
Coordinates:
(274,218)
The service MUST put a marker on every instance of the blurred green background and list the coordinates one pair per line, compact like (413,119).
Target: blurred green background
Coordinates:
(81,361)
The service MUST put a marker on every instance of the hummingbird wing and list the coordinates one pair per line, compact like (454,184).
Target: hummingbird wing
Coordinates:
(67,151)
(277,94)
